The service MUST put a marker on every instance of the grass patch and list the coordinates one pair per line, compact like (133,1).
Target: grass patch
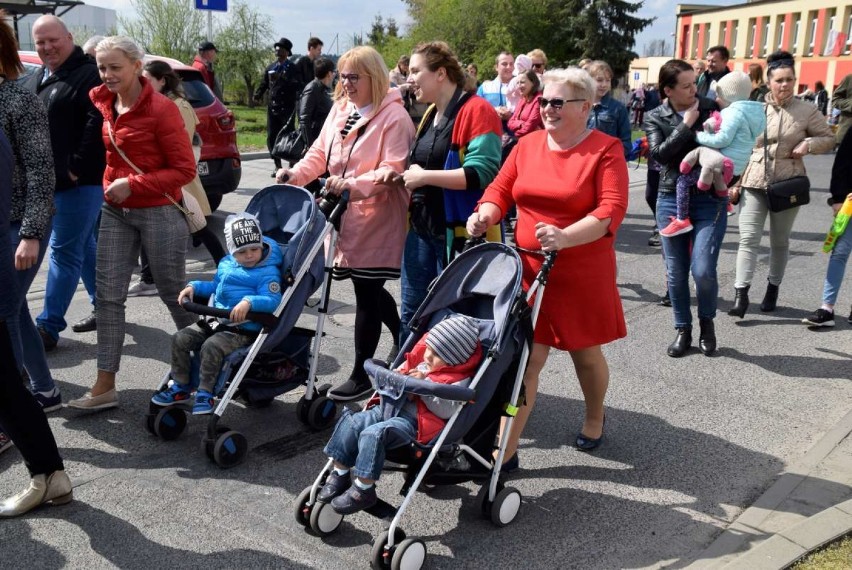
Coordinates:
(835,556)
(251,127)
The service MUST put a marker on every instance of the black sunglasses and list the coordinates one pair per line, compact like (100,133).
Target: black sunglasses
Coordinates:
(538,66)
(556,103)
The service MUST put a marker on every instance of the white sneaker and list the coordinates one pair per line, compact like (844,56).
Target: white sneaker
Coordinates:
(142,289)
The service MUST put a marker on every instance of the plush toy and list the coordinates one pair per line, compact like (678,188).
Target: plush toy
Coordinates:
(713,123)
(716,169)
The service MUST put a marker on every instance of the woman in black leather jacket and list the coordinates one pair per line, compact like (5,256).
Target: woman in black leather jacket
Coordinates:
(671,131)
(315,102)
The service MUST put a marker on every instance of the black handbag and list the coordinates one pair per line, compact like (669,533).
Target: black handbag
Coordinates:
(290,144)
(783,194)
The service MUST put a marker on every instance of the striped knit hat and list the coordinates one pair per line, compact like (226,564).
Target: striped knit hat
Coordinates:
(453,340)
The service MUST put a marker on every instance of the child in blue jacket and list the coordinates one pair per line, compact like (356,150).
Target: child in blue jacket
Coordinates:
(249,279)
(741,122)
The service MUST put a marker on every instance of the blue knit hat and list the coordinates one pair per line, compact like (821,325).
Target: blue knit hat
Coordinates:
(454,339)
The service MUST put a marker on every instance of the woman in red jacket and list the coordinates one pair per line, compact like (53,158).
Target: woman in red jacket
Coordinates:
(527,115)
(149,159)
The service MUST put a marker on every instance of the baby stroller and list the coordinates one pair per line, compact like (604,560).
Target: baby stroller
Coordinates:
(483,283)
(282,357)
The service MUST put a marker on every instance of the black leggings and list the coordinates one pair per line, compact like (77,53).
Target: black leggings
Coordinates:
(374,306)
(22,418)
(652,190)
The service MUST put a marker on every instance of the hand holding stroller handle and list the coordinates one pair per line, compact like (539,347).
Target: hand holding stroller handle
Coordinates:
(380,376)
(266,319)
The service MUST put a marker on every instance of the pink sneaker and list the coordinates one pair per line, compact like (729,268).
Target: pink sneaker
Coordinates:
(676,227)
(731,211)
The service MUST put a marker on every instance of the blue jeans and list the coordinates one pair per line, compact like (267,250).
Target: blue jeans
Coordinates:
(72,253)
(698,250)
(422,260)
(358,440)
(837,267)
(26,342)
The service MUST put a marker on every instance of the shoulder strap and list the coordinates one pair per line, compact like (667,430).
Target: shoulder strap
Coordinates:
(121,152)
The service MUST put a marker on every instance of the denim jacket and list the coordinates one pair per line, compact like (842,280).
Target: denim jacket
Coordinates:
(610,117)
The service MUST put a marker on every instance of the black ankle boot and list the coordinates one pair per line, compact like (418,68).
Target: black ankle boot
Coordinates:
(740,302)
(681,343)
(770,300)
(707,338)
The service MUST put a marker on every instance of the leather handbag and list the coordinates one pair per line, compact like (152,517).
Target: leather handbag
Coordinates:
(783,194)
(290,144)
(188,205)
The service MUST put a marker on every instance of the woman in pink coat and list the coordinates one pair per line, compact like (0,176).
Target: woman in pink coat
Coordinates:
(364,146)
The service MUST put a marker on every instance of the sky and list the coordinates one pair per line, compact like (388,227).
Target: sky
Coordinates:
(334,21)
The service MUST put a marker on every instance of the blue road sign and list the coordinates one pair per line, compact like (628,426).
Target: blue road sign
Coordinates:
(217,5)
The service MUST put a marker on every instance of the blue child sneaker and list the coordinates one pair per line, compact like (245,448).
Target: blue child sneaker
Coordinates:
(49,401)
(204,403)
(334,486)
(174,394)
(354,499)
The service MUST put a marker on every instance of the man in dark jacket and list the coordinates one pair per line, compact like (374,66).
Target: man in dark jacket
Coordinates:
(842,101)
(63,84)
(305,64)
(281,79)
(717,67)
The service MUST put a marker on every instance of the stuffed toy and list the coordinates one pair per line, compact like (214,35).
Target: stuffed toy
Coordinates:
(716,169)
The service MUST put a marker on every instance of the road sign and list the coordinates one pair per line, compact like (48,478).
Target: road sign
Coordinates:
(217,5)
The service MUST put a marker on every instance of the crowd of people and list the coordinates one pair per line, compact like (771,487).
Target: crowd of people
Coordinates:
(94,166)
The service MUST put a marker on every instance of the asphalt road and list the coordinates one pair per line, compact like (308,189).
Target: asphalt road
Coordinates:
(689,444)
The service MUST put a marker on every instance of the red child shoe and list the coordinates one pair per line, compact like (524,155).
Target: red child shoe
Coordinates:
(676,227)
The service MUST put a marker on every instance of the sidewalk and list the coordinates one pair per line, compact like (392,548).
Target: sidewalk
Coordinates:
(808,506)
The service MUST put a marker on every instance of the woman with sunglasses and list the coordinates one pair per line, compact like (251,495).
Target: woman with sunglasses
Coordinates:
(569,183)
(363,146)
(455,155)
(671,131)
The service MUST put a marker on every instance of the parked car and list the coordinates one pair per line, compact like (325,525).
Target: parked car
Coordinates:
(219,167)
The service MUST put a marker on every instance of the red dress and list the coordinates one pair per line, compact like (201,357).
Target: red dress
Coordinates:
(581,306)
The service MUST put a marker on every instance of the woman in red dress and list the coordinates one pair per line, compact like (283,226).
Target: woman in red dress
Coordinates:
(570,187)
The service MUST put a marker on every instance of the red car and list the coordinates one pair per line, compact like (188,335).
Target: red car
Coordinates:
(219,167)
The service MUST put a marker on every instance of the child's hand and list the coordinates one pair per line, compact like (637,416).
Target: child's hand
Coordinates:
(238,313)
(186,293)
(414,373)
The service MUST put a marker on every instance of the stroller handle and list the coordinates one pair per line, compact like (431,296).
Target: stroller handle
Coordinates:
(473,241)
(266,319)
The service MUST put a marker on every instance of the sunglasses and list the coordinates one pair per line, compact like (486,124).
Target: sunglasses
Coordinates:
(538,66)
(556,103)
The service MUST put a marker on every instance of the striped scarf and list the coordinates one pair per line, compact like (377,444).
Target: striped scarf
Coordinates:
(354,116)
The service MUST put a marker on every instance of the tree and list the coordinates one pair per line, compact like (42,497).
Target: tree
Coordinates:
(376,37)
(171,28)
(244,46)
(657,48)
(392,28)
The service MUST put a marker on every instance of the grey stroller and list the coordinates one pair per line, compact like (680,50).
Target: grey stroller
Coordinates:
(283,357)
(483,283)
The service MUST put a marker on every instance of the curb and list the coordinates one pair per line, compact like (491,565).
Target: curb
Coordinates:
(245,156)
(775,551)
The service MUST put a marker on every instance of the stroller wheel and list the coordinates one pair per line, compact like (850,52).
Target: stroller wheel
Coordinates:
(380,556)
(409,555)
(321,413)
(324,519)
(149,423)
(505,507)
(482,498)
(301,509)
(230,449)
(302,407)
(169,423)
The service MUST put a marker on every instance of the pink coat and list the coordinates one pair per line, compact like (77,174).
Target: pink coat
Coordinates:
(374,225)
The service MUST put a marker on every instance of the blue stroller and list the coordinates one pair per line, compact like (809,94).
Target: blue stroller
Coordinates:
(283,357)
(483,283)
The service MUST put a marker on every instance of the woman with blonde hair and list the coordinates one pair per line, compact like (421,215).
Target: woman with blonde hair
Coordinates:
(569,183)
(149,159)
(364,147)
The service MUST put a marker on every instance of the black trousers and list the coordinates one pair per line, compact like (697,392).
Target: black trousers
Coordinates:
(21,416)
(274,123)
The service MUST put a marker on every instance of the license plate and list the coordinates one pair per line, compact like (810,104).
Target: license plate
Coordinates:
(203,168)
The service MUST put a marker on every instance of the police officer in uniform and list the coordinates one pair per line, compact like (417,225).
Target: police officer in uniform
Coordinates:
(282,80)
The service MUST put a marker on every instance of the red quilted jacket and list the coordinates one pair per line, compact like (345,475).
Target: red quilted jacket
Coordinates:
(153,137)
